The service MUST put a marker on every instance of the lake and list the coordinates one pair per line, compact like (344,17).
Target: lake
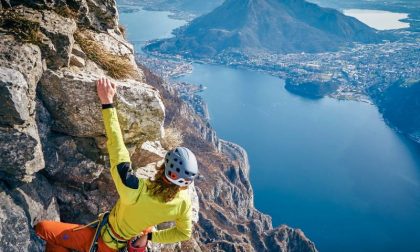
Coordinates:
(332,168)
(378,19)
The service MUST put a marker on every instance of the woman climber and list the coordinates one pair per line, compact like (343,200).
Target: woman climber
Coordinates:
(142,203)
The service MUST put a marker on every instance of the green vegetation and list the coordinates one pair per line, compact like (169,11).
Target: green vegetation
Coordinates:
(118,67)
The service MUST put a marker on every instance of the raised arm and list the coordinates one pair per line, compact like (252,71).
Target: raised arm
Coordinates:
(126,182)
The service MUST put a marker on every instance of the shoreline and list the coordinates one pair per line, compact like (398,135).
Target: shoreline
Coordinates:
(343,89)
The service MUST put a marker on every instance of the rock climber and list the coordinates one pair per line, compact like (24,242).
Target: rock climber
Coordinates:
(142,203)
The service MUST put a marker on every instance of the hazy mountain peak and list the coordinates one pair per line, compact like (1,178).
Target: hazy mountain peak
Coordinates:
(279,26)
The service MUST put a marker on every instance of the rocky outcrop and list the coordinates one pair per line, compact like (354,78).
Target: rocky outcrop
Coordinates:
(20,149)
(25,59)
(23,206)
(14,101)
(99,15)
(70,96)
(57,40)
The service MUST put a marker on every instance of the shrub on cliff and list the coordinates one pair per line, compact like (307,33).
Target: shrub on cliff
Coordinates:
(118,67)
(23,29)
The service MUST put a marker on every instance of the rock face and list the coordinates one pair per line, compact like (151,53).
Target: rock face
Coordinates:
(58,41)
(23,206)
(14,107)
(53,160)
(20,149)
(25,59)
(100,15)
(70,96)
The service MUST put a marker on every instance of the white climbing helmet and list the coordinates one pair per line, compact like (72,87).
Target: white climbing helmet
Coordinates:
(180,166)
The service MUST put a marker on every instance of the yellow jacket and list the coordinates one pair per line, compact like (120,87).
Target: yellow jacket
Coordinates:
(136,210)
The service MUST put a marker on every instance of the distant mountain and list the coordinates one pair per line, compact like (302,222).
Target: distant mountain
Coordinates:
(196,7)
(276,26)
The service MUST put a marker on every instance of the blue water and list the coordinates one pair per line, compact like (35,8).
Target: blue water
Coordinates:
(147,25)
(332,168)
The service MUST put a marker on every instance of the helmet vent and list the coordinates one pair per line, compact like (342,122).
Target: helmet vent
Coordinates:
(187,173)
(180,162)
(172,165)
(167,160)
(176,159)
(178,170)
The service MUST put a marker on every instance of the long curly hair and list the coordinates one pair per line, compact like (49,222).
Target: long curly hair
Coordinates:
(161,188)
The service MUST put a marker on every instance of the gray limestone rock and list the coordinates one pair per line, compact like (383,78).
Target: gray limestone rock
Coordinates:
(13,221)
(22,207)
(115,44)
(70,96)
(24,58)
(286,239)
(101,14)
(14,102)
(77,61)
(147,153)
(34,3)
(77,51)
(59,35)
(72,160)
(20,153)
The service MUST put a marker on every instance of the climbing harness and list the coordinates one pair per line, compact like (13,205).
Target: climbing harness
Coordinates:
(99,223)
(102,222)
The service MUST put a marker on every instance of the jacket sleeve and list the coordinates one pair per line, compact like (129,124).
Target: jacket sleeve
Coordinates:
(126,182)
(180,232)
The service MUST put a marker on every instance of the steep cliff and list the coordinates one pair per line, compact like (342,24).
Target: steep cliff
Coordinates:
(399,103)
(53,162)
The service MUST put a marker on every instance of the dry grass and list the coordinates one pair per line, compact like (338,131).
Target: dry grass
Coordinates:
(118,67)
(123,30)
(24,30)
(172,139)
(65,11)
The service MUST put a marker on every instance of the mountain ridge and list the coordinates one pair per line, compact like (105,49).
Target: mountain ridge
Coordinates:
(286,26)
